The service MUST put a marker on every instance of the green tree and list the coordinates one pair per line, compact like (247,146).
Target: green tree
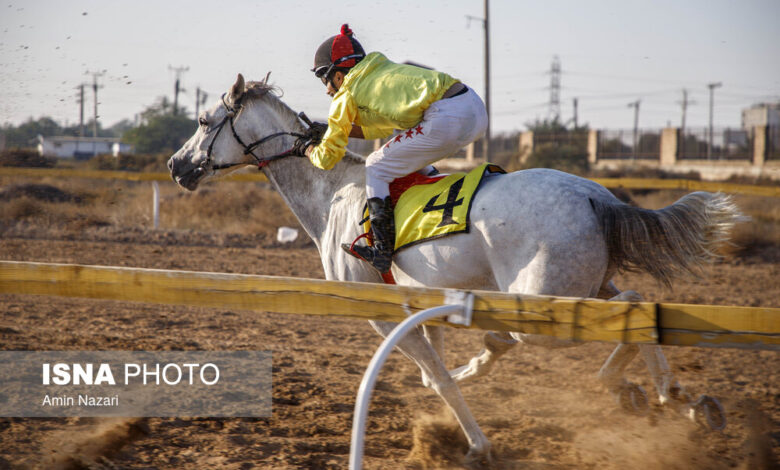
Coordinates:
(160,130)
(74,130)
(551,126)
(556,146)
(23,136)
(118,129)
(568,158)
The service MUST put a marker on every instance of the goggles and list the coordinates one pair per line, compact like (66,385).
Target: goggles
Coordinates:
(323,71)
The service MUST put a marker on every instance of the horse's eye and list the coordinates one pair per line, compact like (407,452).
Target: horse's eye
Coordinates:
(203,122)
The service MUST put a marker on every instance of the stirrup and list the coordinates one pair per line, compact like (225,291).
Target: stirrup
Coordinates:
(370,255)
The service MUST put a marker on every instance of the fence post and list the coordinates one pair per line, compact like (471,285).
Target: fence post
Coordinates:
(669,138)
(593,146)
(156,204)
(759,145)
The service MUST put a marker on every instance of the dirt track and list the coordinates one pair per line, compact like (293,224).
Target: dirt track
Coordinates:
(541,409)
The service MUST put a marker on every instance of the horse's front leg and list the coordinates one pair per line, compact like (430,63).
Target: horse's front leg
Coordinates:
(495,345)
(435,336)
(416,347)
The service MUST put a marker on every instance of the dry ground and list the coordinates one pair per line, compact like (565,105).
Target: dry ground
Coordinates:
(541,409)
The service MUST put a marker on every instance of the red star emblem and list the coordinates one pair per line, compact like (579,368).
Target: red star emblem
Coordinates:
(409,133)
(398,138)
(419,130)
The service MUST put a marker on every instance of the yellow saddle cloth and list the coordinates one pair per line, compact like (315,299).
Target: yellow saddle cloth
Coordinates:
(429,210)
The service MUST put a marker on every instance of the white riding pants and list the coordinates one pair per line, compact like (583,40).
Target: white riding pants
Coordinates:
(447,126)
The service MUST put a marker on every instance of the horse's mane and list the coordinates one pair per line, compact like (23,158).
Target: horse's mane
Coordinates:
(257,90)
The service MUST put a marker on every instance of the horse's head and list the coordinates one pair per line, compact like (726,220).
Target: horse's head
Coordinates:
(227,135)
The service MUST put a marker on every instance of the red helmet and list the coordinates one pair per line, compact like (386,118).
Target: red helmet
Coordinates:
(342,50)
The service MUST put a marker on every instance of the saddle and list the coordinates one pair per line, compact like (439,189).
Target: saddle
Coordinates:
(430,207)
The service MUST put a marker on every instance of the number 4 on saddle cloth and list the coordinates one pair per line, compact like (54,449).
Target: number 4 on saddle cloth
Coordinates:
(429,207)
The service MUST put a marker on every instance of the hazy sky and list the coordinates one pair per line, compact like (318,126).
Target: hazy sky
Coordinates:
(611,53)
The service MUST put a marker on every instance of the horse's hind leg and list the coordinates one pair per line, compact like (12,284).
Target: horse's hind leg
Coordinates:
(416,347)
(705,410)
(630,396)
(611,372)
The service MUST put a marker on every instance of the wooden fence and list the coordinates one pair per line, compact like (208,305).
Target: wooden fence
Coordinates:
(629,183)
(561,317)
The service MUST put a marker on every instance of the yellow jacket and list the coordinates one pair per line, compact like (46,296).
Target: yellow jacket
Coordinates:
(380,96)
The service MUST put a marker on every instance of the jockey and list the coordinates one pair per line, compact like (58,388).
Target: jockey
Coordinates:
(432,114)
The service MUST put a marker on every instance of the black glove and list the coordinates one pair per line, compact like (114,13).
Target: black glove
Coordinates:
(299,147)
(313,135)
(316,131)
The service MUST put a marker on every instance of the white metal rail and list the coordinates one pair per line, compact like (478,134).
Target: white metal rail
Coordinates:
(459,312)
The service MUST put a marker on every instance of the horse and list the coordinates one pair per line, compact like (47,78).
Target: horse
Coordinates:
(536,231)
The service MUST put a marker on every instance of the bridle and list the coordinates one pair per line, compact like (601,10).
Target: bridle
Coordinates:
(232,113)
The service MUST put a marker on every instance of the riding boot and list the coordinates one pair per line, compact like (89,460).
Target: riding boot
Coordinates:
(380,255)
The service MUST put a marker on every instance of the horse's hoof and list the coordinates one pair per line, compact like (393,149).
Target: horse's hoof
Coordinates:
(679,395)
(476,460)
(633,399)
(709,413)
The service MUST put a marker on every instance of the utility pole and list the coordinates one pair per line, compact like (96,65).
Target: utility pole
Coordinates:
(81,116)
(200,98)
(81,109)
(555,89)
(177,87)
(576,125)
(685,103)
(712,87)
(95,76)
(486,25)
(635,105)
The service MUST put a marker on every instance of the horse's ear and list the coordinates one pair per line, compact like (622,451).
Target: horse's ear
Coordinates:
(265,80)
(237,91)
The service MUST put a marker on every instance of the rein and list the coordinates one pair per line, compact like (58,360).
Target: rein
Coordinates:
(249,149)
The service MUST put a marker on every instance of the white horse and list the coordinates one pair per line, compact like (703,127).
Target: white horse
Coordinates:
(533,232)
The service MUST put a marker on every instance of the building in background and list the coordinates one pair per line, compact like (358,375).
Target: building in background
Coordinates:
(81,148)
(761,115)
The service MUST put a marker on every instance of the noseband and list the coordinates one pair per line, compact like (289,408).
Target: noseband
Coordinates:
(232,112)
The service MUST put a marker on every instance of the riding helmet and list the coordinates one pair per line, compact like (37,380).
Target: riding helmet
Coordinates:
(342,50)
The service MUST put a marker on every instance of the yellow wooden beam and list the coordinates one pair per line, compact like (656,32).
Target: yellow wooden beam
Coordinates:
(564,318)
(628,183)
(689,185)
(718,326)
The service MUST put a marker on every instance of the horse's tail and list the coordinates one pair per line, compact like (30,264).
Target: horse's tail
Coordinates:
(669,242)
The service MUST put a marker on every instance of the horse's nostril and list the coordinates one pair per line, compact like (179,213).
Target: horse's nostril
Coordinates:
(170,164)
